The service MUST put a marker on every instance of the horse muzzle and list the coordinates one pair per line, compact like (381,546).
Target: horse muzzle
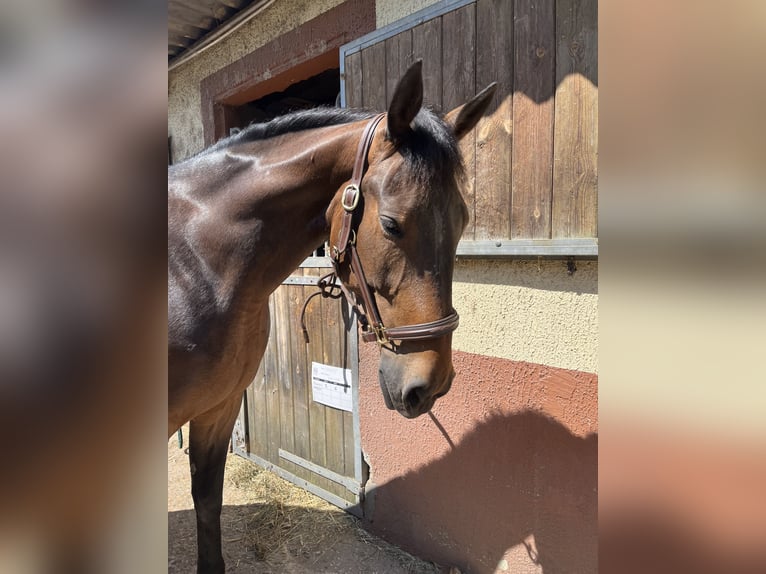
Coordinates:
(412,396)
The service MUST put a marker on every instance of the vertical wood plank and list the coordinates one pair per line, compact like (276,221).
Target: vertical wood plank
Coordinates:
(249,406)
(315,352)
(271,387)
(494,62)
(353,77)
(332,356)
(239,436)
(427,45)
(349,446)
(301,374)
(459,85)
(256,414)
(285,382)
(374,77)
(533,114)
(575,153)
(398,59)
(392,66)
(405,52)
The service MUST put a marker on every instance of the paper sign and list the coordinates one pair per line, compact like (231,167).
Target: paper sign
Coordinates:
(331,386)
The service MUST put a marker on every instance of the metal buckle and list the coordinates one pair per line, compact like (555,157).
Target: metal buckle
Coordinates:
(355,201)
(380,335)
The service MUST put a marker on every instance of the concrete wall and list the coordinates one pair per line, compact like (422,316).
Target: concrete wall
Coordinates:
(503,477)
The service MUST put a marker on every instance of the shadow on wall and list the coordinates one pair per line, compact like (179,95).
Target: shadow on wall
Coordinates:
(548,275)
(515,479)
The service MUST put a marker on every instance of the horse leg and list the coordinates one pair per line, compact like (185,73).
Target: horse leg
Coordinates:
(209,436)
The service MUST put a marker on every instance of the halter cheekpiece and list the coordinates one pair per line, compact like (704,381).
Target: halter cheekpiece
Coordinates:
(330,286)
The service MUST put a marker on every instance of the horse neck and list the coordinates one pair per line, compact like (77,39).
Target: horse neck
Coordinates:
(275,208)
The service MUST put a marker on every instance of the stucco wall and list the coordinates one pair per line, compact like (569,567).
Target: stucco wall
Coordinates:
(528,311)
(388,11)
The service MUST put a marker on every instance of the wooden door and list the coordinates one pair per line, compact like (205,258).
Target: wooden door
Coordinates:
(281,426)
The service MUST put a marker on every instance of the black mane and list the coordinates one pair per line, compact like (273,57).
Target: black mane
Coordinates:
(430,150)
(320,117)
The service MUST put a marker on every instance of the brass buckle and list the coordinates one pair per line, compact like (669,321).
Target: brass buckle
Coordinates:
(380,335)
(355,188)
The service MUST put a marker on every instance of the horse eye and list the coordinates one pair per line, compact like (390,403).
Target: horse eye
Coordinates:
(390,226)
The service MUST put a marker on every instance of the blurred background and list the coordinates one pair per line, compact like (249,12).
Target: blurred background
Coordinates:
(682,309)
(82,283)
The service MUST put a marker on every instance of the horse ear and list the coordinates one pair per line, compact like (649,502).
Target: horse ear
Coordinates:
(405,105)
(465,117)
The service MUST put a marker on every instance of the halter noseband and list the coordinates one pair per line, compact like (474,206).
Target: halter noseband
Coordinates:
(373,328)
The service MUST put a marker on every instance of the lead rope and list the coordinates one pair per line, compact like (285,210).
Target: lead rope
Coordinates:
(327,285)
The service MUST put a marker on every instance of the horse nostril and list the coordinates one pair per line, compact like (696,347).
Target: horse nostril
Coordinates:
(414,396)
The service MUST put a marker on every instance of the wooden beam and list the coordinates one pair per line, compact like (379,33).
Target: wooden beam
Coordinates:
(530,248)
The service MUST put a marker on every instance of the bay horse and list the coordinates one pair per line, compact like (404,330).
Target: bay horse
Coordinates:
(385,190)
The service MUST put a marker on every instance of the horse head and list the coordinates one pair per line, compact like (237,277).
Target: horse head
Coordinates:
(405,226)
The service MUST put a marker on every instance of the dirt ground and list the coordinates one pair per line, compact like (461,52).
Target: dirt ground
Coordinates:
(272,526)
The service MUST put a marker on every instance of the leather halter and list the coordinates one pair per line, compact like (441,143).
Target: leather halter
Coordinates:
(373,328)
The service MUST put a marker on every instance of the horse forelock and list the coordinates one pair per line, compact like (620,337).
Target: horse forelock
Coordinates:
(431,150)
(433,163)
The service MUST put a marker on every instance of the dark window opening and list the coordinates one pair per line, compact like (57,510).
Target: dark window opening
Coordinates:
(320,90)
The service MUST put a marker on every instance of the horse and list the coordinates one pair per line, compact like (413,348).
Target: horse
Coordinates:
(384,190)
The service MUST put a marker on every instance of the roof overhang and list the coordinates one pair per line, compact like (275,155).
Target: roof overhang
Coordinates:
(194,25)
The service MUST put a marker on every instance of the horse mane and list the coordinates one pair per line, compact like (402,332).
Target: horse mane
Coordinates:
(431,150)
(300,120)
